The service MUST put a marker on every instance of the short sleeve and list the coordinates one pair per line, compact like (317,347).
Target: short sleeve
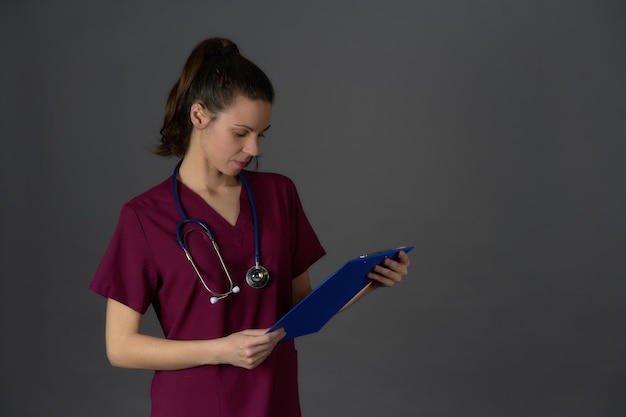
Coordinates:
(127,272)
(307,248)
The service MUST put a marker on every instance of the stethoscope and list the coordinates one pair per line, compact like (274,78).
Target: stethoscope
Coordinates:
(256,277)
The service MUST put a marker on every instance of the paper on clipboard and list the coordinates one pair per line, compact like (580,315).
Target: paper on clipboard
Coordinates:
(321,304)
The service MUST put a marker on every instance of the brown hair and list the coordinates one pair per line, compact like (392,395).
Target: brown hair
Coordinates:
(214,74)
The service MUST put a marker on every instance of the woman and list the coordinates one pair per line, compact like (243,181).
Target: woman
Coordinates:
(216,358)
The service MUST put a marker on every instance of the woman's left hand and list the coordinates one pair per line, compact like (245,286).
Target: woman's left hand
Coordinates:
(391,271)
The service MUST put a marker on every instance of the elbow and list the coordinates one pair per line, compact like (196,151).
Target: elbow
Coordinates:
(114,357)
(115,362)
(116,354)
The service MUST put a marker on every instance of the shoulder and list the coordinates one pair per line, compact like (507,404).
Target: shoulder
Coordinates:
(155,197)
(269,181)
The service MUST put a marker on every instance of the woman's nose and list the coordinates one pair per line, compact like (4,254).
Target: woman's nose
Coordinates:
(252,146)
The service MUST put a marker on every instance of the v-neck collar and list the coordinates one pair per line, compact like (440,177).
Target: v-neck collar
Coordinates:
(198,208)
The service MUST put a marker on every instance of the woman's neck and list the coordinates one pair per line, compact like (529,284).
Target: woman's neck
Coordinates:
(200,177)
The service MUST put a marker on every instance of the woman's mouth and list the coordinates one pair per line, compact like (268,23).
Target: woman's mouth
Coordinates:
(242,164)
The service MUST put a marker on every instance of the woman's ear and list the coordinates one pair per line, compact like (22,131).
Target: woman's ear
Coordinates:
(199,115)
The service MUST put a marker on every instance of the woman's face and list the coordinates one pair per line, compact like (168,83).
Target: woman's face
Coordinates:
(230,140)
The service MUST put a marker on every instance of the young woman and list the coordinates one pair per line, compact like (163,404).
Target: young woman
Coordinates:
(219,252)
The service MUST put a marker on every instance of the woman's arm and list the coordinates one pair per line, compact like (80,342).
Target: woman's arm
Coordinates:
(386,275)
(127,348)
(301,287)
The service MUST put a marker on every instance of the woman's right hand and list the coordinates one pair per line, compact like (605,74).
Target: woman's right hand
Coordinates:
(249,348)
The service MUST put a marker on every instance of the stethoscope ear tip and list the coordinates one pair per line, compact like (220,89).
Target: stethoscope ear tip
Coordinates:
(235,289)
(214,300)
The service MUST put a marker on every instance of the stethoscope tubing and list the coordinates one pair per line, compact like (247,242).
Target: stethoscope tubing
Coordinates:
(186,219)
(252,276)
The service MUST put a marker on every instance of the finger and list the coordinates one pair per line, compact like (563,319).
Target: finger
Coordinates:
(255,343)
(385,276)
(390,269)
(403,258)
(254,355)
(396,266)
(260,333)
(277,333)
(254,332)
(380,280)
(275,336)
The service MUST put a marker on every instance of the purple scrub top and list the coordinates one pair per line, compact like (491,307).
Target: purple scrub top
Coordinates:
(145,265)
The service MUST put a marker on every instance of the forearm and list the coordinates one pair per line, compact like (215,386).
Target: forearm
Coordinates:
(128,348)
(366,290)
(141,351)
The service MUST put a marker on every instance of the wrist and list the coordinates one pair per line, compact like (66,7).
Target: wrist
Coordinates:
(212,352)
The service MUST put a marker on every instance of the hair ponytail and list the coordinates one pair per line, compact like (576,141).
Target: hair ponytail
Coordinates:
(213,74)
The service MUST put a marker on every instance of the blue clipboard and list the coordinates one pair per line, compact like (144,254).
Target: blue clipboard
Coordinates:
(321,304)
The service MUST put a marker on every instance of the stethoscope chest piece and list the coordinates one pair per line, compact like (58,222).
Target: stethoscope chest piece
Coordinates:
(257,276)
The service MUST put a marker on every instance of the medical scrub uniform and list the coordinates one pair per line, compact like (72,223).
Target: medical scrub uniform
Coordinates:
(145,265)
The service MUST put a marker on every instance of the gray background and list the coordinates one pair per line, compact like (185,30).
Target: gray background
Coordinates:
(489,134)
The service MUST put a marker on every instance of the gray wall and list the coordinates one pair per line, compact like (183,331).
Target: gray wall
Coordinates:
(489,134)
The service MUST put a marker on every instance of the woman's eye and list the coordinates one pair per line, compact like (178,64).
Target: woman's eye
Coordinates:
(241,134)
